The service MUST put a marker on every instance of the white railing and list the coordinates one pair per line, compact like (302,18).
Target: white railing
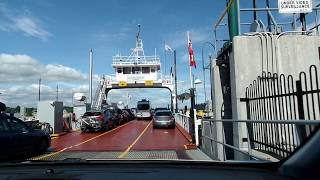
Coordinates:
(123,60)
(274,134)
(183,121)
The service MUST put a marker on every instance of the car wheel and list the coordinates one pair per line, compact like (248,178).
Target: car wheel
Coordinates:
(43,145)
(83,129)
(106,127)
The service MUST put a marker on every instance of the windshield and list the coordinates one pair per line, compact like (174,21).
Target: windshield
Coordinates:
(91,79)
(163,113)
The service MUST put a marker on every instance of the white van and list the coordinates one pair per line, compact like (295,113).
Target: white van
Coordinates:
(144,110)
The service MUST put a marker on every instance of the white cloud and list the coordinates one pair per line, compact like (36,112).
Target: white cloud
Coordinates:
(30,26)
(24,69)
(27,95)
(62,73)
(19,76)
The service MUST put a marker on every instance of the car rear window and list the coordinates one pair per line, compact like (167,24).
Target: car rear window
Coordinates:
(92,114)
(164,113)
(143,106)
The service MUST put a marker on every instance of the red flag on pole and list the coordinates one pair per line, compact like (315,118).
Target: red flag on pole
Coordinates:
(192,59)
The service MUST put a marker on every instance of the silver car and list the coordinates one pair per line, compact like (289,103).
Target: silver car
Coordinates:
(163,118)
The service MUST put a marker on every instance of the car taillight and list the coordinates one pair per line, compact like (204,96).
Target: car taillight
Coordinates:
(100,118)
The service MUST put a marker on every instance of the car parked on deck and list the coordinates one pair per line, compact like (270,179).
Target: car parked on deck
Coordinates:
(111,118)
(19,140)
(159,108)
(134,111)
(93,121)
(130,114)
(121,119)
(163,118)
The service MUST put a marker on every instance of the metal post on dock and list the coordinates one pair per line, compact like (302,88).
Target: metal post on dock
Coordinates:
(175,80)
(192,116)
(39,88)
(90,76)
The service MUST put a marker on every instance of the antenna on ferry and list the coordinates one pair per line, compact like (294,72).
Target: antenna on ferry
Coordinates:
(139,29)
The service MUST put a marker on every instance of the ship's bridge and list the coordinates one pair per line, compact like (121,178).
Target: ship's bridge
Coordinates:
(137,69)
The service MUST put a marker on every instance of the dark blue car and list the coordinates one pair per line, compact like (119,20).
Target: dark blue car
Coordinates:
(19,140)
(111,117)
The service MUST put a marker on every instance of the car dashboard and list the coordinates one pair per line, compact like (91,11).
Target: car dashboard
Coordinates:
(140,170)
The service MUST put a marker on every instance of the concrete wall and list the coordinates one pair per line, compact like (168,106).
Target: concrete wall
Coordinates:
(297,53)
(252,55)
(217,101)
(292,54)
(289,55)
(52,113)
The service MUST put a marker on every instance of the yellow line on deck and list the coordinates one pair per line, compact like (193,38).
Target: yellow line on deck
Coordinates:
(48,155)
(123,154)
(62,150)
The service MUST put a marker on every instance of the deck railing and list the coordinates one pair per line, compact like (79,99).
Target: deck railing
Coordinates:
(215,146)
(183,121)
(282,97)
(123,60)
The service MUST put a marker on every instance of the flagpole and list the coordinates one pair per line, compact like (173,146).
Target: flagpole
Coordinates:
(190,71)
(190,68)
(165,57)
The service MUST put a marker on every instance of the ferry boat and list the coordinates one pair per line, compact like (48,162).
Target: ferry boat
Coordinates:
(134,71)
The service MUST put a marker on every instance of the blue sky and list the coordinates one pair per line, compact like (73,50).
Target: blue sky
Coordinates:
(73,27)
(55,36)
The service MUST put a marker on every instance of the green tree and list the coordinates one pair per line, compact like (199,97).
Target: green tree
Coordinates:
(68,109)
(29,111)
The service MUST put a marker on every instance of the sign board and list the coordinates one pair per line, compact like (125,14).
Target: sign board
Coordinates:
(136,78)
(295,6)
(123,84)
(149,83)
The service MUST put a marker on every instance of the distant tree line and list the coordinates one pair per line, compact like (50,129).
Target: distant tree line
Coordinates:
(12,110)
(68,109)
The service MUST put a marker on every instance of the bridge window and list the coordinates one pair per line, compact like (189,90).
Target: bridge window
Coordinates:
(119,70)
(145,70)
(136,70)
(127,70)
(153,69)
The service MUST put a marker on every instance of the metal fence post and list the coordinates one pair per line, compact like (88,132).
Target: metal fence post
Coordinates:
(301,129)
(192,115)
(250,139)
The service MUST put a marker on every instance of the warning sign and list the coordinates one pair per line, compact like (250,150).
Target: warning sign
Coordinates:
(295,6)
(123,84)
(149,83)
